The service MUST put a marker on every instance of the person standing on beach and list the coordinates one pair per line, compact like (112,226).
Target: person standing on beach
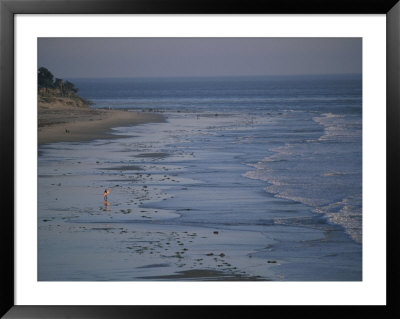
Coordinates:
(106,192)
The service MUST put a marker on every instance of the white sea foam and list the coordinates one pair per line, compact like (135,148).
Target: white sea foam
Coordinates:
(324,173)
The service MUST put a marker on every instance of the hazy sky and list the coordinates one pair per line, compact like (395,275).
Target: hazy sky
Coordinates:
(152,57)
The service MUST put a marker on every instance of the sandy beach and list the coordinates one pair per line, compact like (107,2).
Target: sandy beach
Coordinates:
(63,123)
(167,217)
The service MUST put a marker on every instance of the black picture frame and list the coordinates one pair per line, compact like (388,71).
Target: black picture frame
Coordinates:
(9,8)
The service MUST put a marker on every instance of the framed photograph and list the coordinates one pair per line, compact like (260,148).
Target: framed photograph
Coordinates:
(158,155)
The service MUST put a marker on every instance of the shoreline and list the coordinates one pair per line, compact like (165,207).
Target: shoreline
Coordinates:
(76,124)
(167,218)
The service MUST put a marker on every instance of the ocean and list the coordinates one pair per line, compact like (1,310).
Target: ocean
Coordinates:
(257,177)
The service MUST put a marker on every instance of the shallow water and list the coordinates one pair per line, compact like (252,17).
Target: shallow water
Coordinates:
(267,190)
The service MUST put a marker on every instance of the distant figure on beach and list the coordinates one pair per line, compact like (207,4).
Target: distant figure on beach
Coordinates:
(106,192)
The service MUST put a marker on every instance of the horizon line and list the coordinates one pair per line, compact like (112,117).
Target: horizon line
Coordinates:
(213,76)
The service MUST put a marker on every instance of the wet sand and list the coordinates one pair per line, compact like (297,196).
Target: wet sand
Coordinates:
(61,123)
(126,238)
